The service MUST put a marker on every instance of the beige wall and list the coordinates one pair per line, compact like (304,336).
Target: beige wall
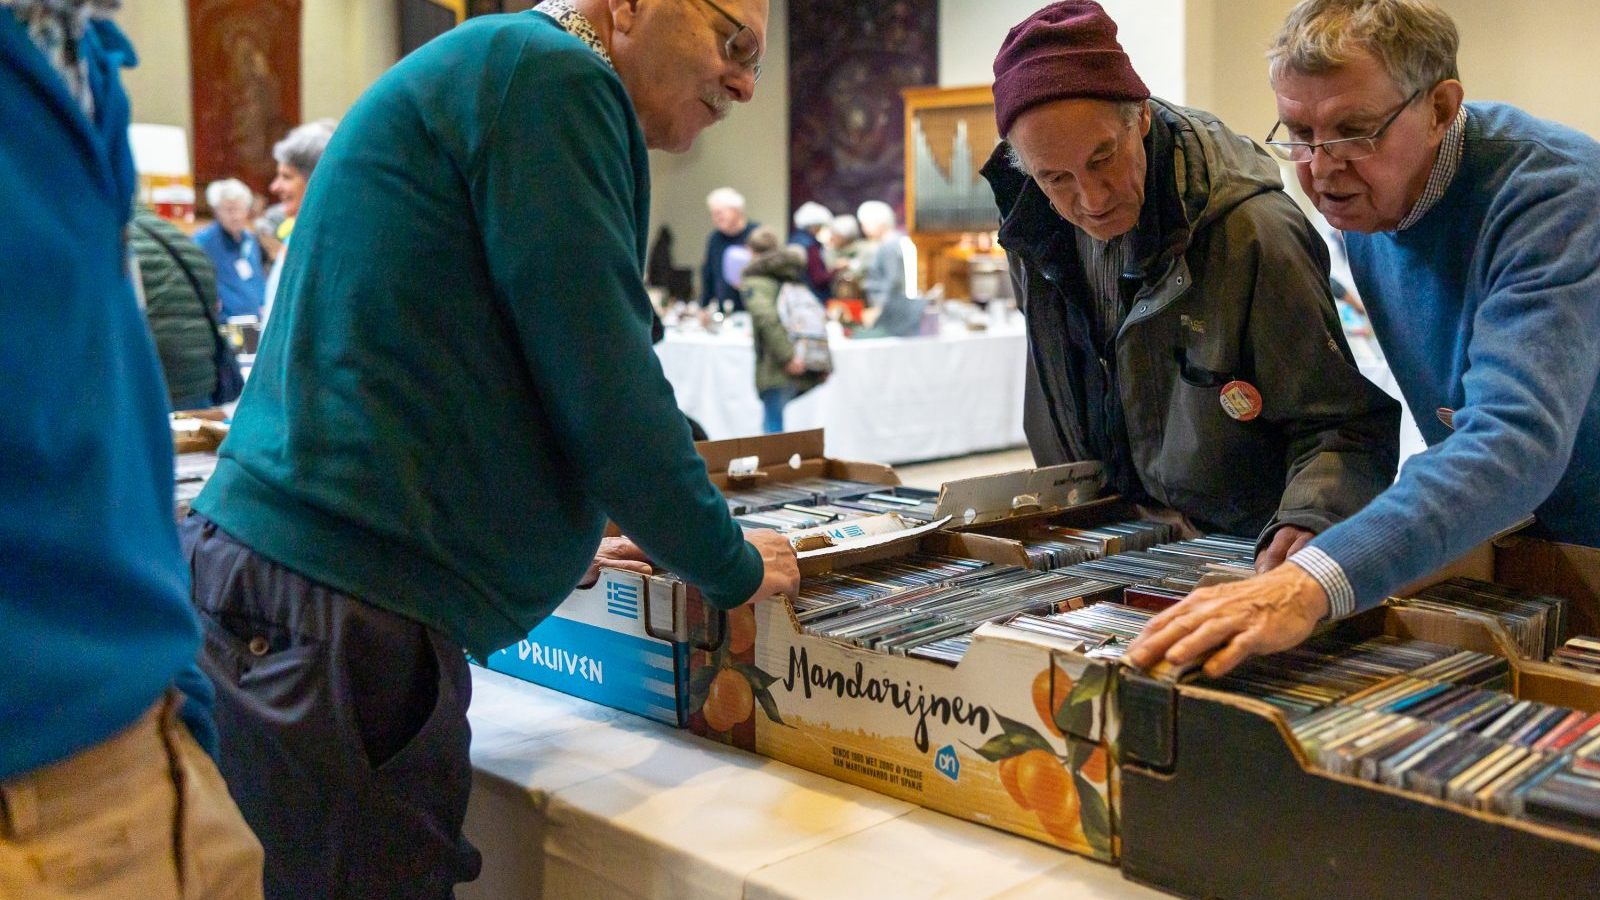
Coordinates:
(1543,62)
(1151,31)
(749,151)
(345,45)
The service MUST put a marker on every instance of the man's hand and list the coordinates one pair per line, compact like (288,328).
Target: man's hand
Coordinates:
(780,570)
(796,367)
(1286,542)
(616,553)
(1247,618)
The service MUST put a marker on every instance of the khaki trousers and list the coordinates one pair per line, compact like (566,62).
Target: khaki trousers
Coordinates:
(143,815)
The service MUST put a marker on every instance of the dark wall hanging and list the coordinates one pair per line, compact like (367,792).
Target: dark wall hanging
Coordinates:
(848,61)
(245,74)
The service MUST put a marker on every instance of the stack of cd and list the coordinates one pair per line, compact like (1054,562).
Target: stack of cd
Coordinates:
(768,496)
(928,605)
(1330,667)
(1102,630)
(795,505)
(1581,653)
(192,470)
(795,517)
(849,588)
(1537,623)
(1047,553)
(915,504)
(1473,747)
(1117,537)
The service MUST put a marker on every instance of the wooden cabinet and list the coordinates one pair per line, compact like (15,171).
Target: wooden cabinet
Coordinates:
(950,211)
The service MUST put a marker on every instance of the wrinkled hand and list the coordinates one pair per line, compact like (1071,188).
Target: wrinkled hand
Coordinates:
(780,570)
(1247,618)
(796,367)
(1286,541)
(616,553)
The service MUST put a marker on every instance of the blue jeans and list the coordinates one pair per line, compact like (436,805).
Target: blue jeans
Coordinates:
(773,401)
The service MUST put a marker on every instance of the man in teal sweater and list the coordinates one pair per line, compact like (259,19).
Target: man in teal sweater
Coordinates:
(456,391)
(1474,242)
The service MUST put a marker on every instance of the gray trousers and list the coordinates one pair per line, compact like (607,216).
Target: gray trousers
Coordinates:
(344,735)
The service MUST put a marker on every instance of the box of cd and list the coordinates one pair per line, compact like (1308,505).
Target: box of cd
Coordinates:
(1406,753)
(882,673)
(624,642)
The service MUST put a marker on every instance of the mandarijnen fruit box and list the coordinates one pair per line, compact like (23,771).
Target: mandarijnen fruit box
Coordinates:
(1014,736)
(623,642)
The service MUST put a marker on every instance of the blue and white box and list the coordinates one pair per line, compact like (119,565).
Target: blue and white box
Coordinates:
(619,643)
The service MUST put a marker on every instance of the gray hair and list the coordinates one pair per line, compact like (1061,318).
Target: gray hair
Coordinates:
(846,227)
(1129,110)
(302,148)
(1414,40)
(725,197)
(811,214)
(875,214)
(763,240)
(220,192)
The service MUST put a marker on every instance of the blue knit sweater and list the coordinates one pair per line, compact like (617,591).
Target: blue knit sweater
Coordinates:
(95,621)
(1489,307)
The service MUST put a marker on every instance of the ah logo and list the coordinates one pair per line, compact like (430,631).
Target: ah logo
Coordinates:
(622,599)
(947,763)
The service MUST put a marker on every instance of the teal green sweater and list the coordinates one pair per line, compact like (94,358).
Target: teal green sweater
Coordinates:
(457,386)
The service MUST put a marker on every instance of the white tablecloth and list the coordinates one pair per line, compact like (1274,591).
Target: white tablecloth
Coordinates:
(1369,358)
(571,799)
(890,400)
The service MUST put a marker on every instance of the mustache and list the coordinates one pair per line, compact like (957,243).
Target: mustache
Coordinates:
(721,104)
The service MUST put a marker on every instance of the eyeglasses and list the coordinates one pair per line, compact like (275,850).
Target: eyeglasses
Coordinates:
(742,48)
(1342,149)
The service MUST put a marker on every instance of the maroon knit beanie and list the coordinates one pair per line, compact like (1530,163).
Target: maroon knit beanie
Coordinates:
(1068,49)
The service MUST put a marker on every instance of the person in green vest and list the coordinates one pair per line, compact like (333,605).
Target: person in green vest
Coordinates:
(781,373)
(178,283)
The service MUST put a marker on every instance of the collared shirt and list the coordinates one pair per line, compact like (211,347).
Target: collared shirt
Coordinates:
(56,27)
(1103,264)
(575,24)
(1444,170)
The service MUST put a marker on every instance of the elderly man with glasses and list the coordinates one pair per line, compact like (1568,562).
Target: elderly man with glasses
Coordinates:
(457,391)
(1474,241)
(1180,323)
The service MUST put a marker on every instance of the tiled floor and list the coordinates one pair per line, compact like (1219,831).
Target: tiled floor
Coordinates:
(933,474)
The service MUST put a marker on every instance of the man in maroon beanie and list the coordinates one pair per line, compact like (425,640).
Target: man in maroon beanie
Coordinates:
(1180,322)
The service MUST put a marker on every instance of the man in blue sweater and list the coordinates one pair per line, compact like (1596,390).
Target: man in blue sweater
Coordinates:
(104,788)
(1473,238)
(456,392)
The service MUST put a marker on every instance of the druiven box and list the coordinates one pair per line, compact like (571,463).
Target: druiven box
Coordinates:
(625,641)
(1219,800)
(1013,737)
(615,643)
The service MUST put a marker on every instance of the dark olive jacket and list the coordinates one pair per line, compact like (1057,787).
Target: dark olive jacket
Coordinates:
(184,337)
(1230,282)
(763,279)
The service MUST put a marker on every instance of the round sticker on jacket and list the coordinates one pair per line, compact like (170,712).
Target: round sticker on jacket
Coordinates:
(1240,400)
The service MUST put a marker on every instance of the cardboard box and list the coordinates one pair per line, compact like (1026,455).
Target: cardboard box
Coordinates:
(791,456)
(616,643)
(625,642)
(1219,800)
(1021,720)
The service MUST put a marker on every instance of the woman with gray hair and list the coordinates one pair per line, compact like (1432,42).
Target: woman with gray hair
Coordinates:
(297,155)
(234,249)
(810,219)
